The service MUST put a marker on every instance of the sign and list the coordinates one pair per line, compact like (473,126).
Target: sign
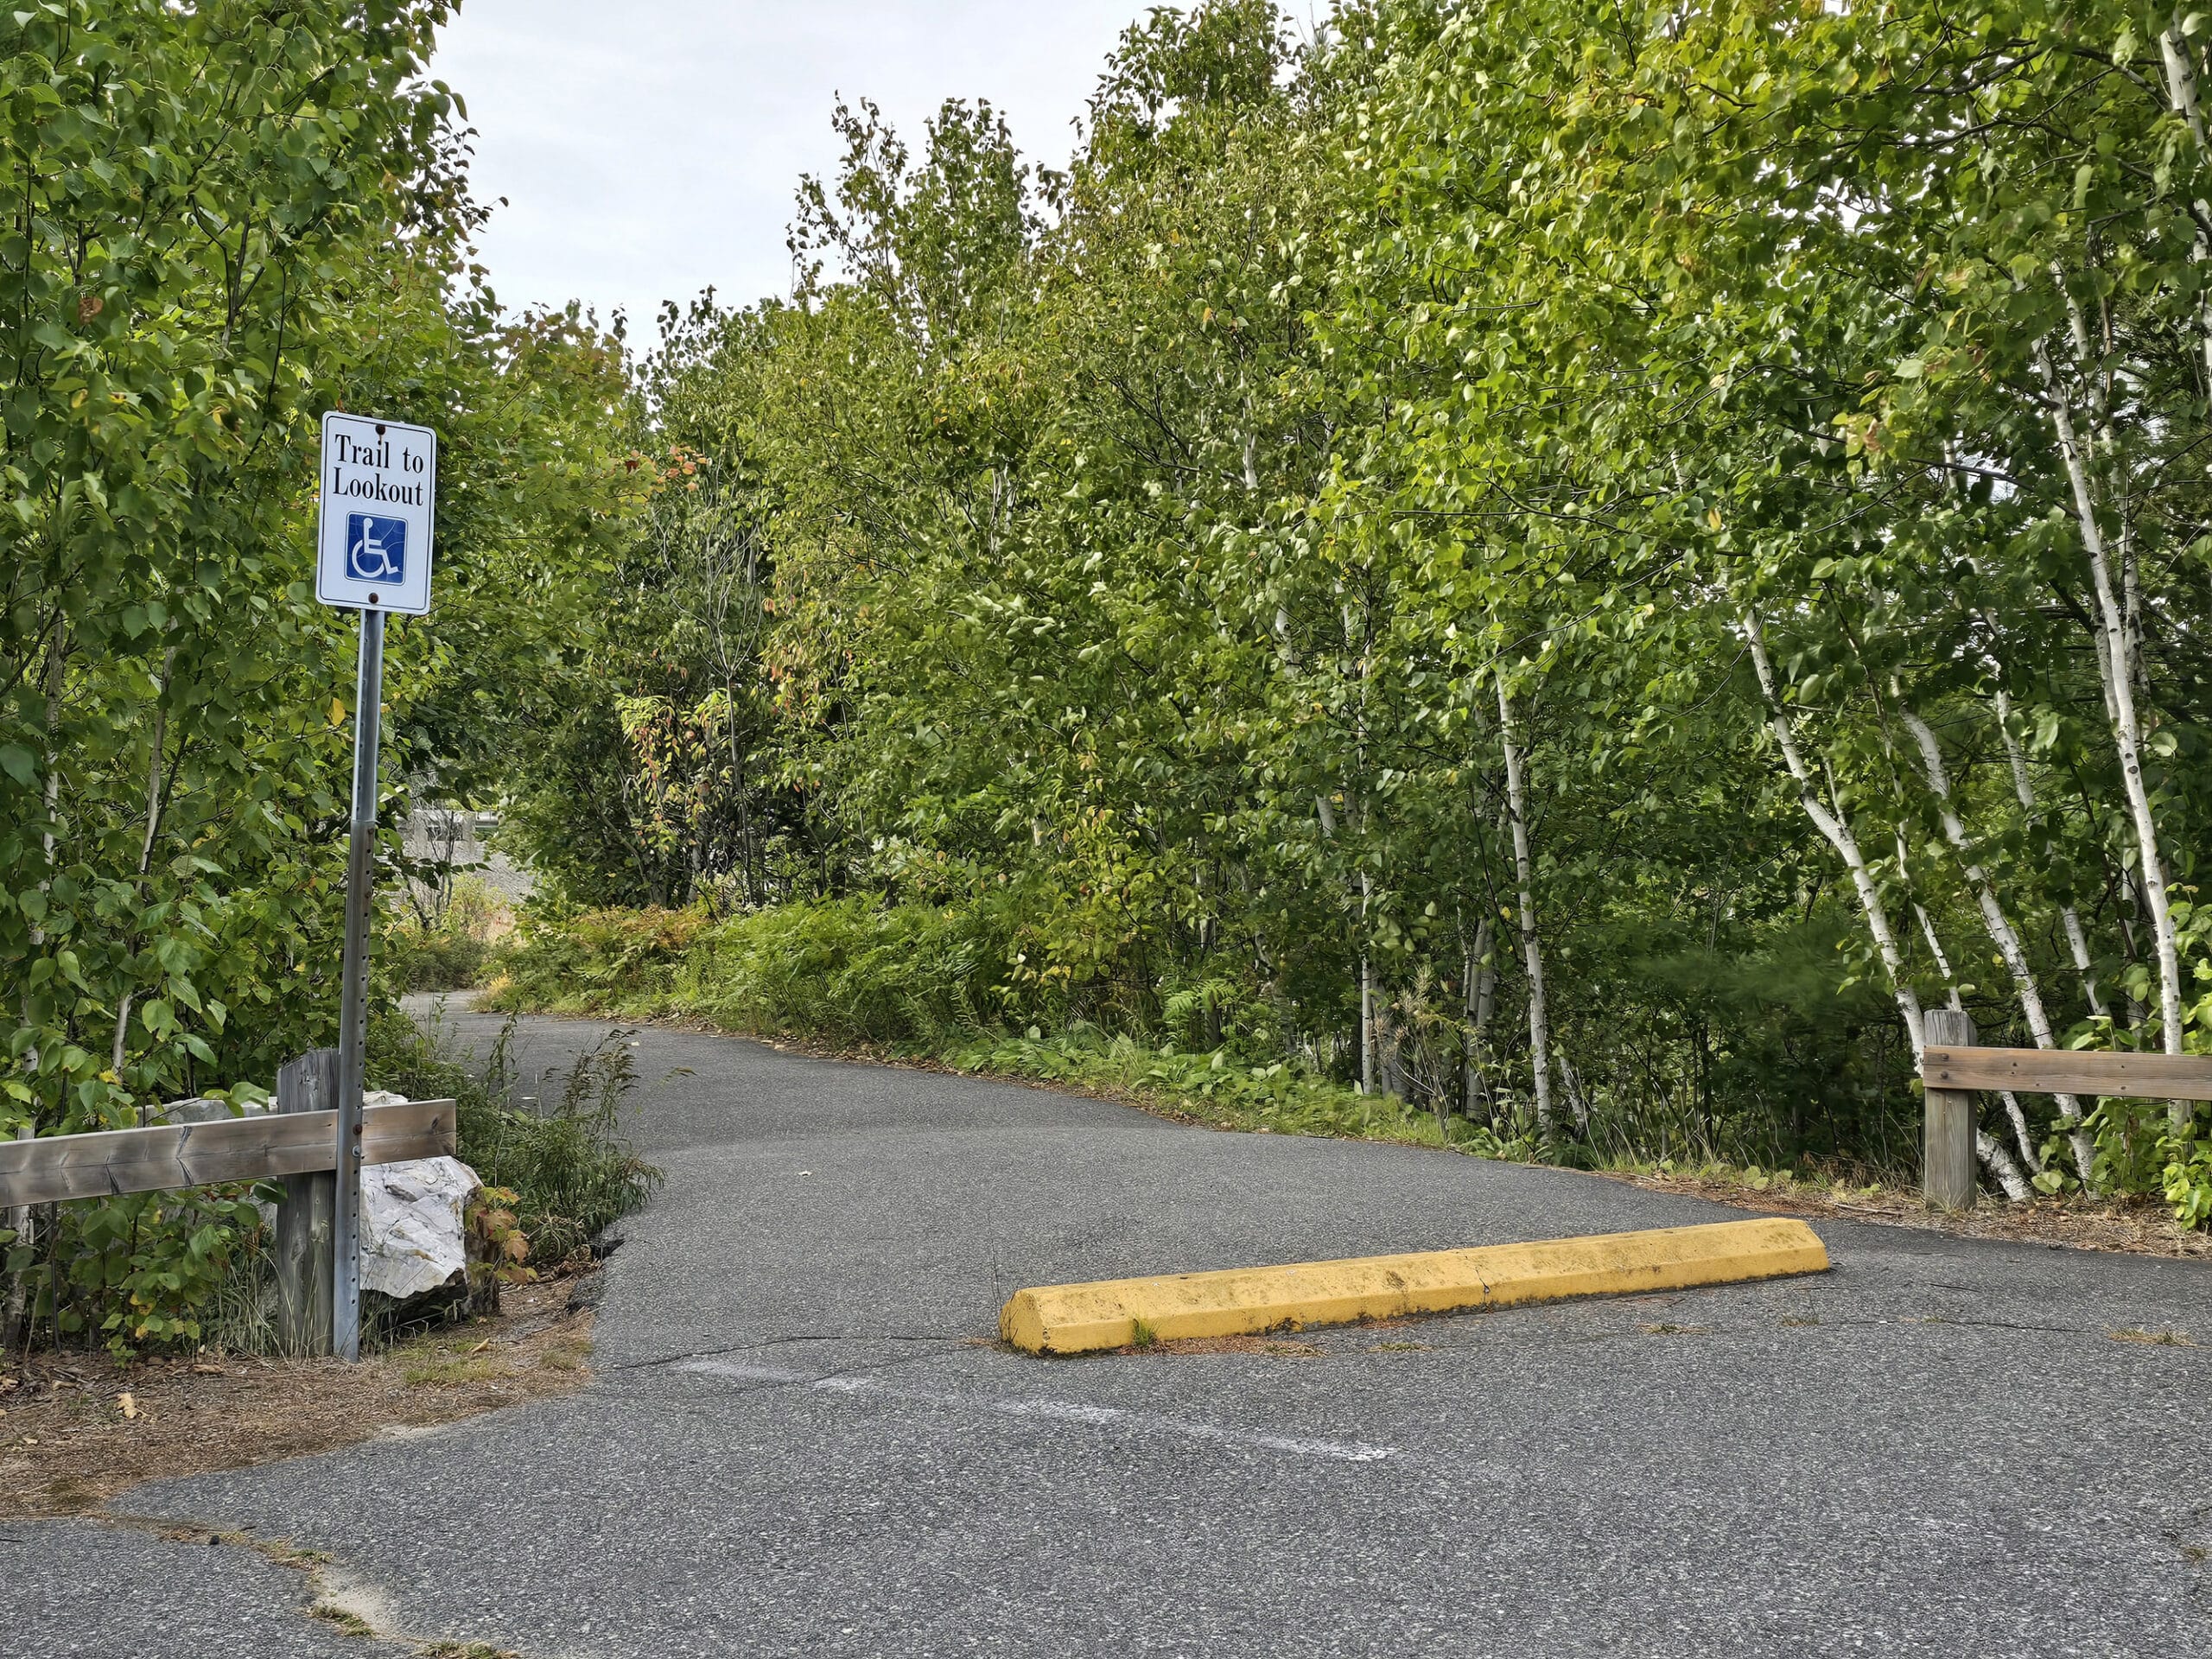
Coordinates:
(372,555)
(379,490)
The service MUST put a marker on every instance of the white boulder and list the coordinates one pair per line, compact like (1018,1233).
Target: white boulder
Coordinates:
(202,1108)
(414,1225)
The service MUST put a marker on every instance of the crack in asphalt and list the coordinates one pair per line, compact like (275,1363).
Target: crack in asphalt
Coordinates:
(953,1344)
(338,1595)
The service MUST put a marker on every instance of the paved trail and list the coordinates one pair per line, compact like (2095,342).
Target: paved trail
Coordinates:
(802,1440)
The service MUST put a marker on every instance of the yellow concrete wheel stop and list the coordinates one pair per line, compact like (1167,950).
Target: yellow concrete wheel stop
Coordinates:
(1240,1301)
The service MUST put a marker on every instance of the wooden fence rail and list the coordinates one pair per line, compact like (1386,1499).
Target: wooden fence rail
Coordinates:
(2068,1071)
(58,1166)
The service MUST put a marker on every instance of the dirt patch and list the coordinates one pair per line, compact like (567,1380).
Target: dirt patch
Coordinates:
(75,1429)
(2144,1229)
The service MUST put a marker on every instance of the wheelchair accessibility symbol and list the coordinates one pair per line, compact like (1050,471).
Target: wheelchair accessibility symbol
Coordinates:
(376,549)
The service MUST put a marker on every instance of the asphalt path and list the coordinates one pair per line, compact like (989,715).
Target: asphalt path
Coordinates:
(802,1438)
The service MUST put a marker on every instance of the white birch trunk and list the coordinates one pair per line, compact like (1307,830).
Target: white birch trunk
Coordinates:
(2000,1164)
(1578,1101)
(56,660)
(1481,997)
(2181,92)
(1367,1011)
(2076,942)
(56,663)
(2116,662)
(1531,952)
(2001,934)
(1838,832)
(1368,1029)
(2012,1112)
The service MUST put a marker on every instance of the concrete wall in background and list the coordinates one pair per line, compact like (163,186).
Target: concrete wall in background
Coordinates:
(459,839)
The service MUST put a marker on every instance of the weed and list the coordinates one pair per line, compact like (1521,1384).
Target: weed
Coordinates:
(1400,1348)
(572,1173)
(1142,1336)
(1672,1330)
(2155,1339)
(452,1372)
(444,945)
(353,1624)
(566,1357)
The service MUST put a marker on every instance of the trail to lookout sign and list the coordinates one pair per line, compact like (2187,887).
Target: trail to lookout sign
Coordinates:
(379,490)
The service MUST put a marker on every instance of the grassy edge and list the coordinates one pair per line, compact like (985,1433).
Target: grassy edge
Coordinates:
(1200,1088)
(1132,1075)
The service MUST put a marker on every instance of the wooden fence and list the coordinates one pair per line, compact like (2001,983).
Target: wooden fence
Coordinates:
(297,1143)
(1953,1067)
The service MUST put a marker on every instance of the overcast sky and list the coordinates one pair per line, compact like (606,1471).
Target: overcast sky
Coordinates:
(648,148)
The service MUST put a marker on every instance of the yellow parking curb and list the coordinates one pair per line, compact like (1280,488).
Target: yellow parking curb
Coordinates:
(1081,1318)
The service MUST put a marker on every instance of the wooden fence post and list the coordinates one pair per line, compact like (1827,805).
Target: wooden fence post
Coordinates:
(306,1219)
(1947,1170)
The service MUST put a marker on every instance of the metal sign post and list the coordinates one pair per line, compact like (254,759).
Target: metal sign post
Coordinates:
(379,487)
(353,995)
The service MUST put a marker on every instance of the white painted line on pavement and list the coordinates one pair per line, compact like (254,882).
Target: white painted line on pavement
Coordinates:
(1051,1410)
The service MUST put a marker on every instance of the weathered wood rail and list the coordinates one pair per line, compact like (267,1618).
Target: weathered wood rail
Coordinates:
(2066,1072)
(1953,1066)
(102,1165)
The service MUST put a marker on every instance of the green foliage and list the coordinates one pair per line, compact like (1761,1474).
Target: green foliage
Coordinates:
(1078,598)
(2187,1181)
(847,971)
(1758,431)
(190,179)
(138,1271)
(1214,1088)
(596,960)
(1578,569)
(933,980)
(445,945)
(229,218)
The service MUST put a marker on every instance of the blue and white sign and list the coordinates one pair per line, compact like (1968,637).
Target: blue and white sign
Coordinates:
(376,549)
(379,492)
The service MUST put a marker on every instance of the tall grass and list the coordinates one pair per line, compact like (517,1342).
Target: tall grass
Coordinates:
(562,1154)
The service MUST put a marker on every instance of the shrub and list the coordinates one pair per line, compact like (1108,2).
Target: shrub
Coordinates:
(2188,1180)
(571,1173)
(142,1268)
(445,947)
(594,960)
(192,1266)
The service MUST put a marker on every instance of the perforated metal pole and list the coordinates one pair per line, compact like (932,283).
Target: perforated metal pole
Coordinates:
(352,1007)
